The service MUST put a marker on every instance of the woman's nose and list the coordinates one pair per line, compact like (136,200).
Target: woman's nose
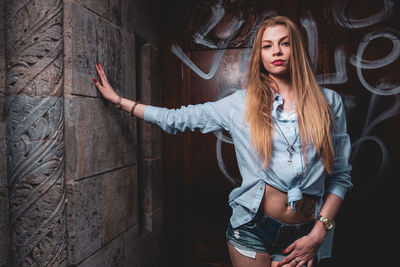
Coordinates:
(276,50)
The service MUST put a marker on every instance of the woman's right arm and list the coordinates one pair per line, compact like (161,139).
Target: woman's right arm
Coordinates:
(207,117)
(108,93)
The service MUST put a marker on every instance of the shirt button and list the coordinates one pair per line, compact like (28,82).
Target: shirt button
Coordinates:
(254,209)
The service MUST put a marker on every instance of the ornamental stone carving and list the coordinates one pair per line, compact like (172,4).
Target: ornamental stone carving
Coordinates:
(35,125)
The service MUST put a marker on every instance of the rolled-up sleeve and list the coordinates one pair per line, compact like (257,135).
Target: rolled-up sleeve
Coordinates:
(339,182)
(207,117)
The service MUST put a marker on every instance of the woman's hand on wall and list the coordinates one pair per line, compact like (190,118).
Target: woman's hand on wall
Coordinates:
(104,87)
(134,108)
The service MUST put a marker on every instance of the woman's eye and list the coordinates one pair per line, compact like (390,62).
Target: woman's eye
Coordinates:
(266,46)
(285,43)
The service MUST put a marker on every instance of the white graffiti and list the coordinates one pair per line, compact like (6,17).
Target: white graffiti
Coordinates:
(383,88)
(217,13)
(200,38)
(234,181)
(223,138)
(390,34)
(341,73)
(177,51)
(384,156)
(368,127)
(310,26)
(339,7)
(391,112)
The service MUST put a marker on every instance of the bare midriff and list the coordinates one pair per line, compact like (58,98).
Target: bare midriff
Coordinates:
(275,205)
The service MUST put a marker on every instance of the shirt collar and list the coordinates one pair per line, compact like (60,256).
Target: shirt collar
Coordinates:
(278,101)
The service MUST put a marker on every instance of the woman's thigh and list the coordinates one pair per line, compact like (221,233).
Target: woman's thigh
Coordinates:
(239,260)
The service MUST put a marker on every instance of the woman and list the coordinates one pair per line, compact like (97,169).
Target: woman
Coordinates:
(292,149)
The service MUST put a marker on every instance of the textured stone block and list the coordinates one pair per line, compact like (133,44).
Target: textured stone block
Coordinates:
(116,52)
(2,59)
(127,16)
(99,209)
(98,137)
(80,48)
(128,67)
(120,201)
(89,40)
(84,218)
(3,143)
(4,230)
(122,251)
(110,255)
(108,9)
(132,249)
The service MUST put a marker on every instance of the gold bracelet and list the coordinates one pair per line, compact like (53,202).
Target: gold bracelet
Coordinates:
(133,107)
(118,104)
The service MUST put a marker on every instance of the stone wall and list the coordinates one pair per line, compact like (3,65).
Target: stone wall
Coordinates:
(35,132)
(4,237)
(111,162)
(113,177)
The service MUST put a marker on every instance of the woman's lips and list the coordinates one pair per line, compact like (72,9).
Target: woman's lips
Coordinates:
(278,62)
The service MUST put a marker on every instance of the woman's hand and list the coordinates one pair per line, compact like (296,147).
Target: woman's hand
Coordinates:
(104,87)
(304,250)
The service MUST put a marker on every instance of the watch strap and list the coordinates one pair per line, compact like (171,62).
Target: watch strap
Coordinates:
(328,224)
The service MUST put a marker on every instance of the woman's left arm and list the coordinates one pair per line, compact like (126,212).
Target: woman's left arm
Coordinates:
(305,249)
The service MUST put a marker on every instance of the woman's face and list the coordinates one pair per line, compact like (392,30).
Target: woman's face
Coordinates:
(275,50)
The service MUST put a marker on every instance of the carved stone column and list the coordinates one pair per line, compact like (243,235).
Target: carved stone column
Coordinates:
(35,125)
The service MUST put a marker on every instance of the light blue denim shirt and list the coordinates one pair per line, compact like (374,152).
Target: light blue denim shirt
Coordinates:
(295,178)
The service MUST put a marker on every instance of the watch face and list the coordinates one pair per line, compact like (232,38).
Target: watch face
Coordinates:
(329,225)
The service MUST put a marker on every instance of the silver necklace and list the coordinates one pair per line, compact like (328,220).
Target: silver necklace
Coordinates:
(290,149)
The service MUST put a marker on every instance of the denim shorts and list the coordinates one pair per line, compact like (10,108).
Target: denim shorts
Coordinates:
(264,234)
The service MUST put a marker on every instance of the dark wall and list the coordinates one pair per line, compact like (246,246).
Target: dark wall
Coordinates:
(354,46)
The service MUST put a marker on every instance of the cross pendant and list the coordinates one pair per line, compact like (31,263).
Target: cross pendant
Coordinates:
(290,149)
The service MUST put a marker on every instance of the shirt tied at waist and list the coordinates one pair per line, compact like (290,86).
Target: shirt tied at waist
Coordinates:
(294,196)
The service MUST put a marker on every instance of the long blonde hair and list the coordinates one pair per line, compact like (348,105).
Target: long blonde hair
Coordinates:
(313,112)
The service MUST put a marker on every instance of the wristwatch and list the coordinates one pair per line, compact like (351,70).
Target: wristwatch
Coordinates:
(328,224)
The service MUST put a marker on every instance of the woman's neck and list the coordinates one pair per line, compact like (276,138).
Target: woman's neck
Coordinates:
(285,90)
